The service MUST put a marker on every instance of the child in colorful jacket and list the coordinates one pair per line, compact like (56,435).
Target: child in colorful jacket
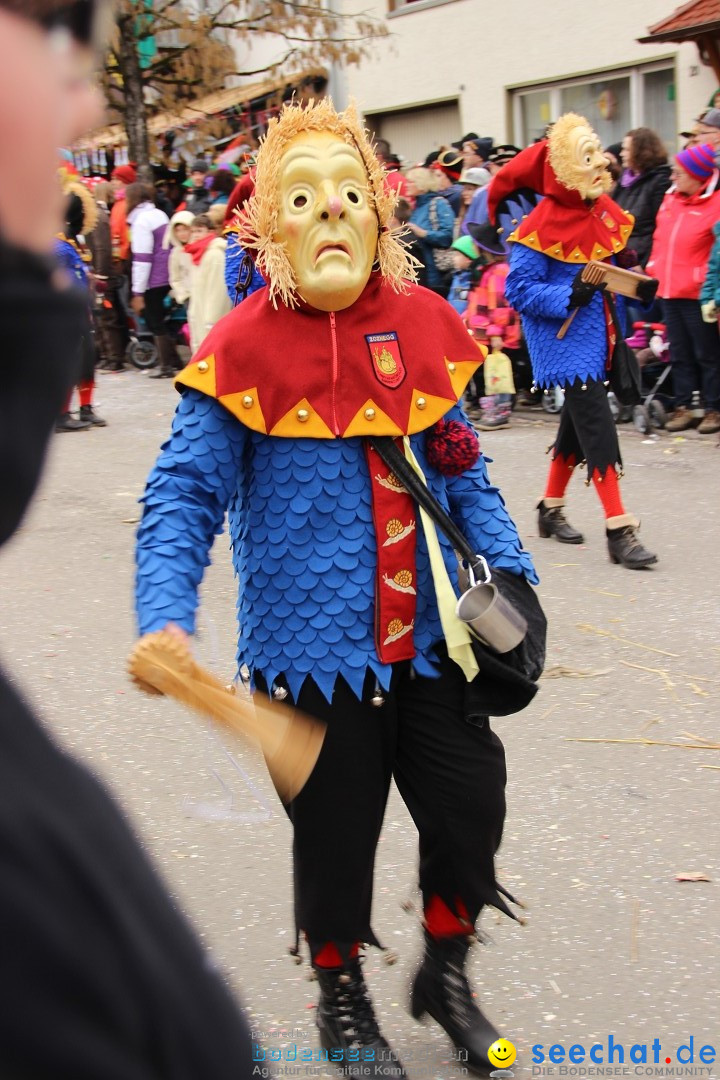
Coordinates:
(492,321)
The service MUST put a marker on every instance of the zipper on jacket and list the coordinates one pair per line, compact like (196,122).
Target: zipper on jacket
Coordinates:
(671,250)
(333,336)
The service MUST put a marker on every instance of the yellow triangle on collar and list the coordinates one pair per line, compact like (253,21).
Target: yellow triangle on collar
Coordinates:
(200,376)
(245,407)
(371,420)
(461,373)
(302,422)
(426,410)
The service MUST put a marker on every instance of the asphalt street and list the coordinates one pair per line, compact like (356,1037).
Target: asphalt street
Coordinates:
(614,784)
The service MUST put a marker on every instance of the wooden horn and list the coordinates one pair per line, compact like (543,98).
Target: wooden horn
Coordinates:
(290,740)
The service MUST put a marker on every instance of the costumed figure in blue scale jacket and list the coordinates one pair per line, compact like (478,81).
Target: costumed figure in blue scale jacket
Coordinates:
(343,592)
(574,223)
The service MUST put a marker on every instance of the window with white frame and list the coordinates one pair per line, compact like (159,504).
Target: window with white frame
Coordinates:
(613,102)
(402,7)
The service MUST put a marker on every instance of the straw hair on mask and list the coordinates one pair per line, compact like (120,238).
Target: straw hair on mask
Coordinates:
(258,222)
(560,150)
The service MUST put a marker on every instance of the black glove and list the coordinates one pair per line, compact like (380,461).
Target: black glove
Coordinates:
(582,292)
(646,290)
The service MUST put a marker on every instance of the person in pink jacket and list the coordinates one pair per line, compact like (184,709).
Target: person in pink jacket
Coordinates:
(681,249)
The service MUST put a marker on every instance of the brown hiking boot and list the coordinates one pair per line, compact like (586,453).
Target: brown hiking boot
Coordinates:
(710,423)
(682,419)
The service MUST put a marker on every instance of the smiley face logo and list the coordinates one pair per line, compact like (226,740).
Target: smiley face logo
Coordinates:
(502,1053)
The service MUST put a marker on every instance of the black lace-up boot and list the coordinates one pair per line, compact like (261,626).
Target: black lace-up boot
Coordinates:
(441,989)
(552,522)
(346,1021)
(624,544)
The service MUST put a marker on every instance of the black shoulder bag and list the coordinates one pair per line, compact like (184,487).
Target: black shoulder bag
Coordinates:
(507,681)
(624,374)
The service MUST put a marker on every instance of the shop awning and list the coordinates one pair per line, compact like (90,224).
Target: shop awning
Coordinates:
(698,21)
(210,105)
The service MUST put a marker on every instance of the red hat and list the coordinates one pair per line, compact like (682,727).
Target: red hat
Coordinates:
(239,196)
(127,174)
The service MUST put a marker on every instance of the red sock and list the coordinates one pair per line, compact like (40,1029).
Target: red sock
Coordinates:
(85,391)
(561,469)
(329,956)
(441,922)
(608,489)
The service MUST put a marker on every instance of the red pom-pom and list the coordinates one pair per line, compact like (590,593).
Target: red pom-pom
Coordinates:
(452,447)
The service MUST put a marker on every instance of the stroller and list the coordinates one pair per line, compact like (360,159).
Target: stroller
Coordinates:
(649,340)
(141,350)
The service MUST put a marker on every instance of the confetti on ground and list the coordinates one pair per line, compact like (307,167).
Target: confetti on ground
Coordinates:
(653,742)
(586,628)
(560,671)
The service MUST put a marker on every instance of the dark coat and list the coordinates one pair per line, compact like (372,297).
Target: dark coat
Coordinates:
(199,200)
(100,244)
(102,975)
(642,199)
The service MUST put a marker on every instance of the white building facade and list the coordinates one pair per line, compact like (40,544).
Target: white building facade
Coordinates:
(508,68)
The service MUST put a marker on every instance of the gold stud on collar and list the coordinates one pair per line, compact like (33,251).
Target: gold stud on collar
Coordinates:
(369,414)
(303,416)
(451,369)
(248,401)
(203,366)
(421,403)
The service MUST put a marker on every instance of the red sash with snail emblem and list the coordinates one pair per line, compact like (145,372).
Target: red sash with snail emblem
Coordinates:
(394,517)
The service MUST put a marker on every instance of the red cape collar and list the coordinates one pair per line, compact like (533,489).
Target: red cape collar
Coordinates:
(562,225)
(391,364)
(575,234)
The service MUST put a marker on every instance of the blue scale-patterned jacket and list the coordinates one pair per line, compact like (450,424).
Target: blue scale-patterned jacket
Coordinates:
(539,288)
(234,254)
(303,543)
(69,257)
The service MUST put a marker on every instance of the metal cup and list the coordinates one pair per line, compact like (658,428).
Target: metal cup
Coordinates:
(489,615)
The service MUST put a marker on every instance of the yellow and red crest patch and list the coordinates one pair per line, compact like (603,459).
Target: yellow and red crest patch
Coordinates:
(387,361)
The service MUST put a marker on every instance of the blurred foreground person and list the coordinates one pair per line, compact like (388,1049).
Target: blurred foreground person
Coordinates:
(102,976)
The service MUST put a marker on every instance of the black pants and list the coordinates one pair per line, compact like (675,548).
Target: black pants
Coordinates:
(587,430)
(694,353)
(155,316)
(450,774)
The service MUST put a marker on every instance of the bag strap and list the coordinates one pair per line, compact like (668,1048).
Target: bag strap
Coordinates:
(395,460)
(612,308)
(244,278)
(433,214)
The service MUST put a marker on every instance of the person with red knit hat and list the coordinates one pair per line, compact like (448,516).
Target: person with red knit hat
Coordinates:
(120,180)
(574,223)
(680,256)
(126,174)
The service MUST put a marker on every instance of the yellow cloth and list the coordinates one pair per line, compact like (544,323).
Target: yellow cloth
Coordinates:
(498,374)
(457,635)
